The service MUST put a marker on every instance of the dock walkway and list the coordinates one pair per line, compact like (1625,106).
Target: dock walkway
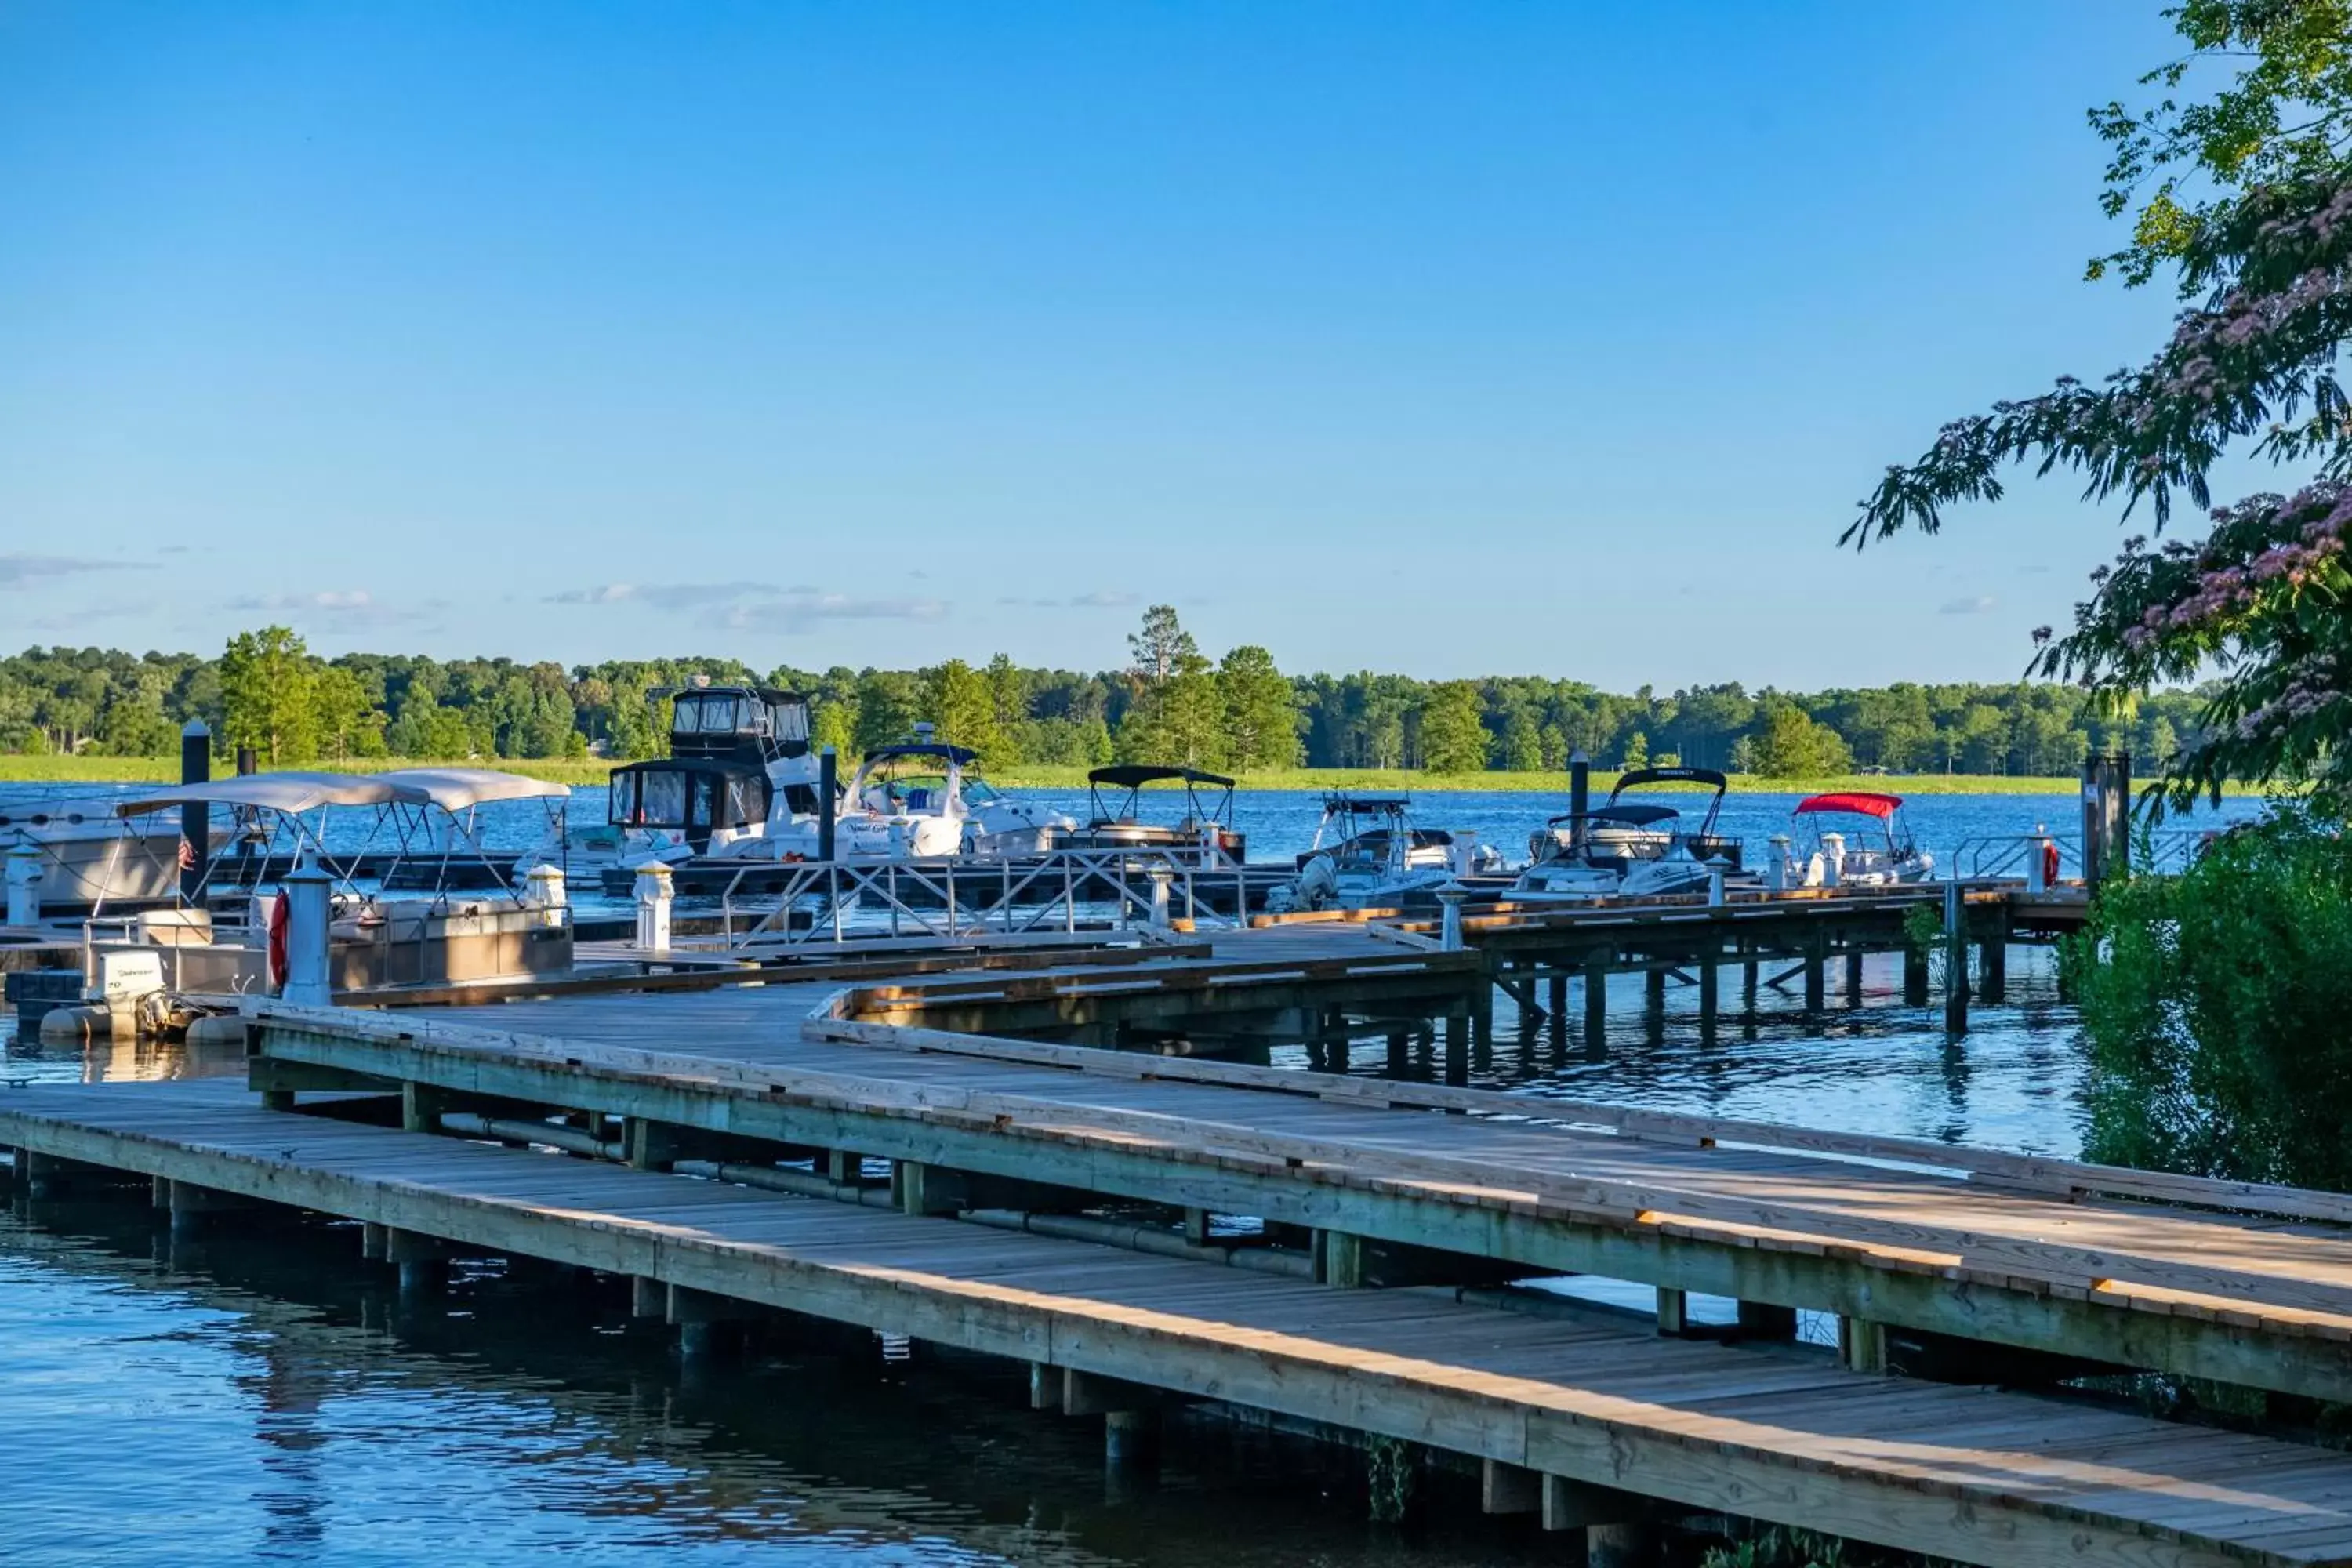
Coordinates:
(1588,1415)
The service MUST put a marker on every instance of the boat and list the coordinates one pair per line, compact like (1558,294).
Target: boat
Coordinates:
(739,772)
(1117,822)
(924,799)
(89,856)
(1876,851)
(1631,849)
(1367,854)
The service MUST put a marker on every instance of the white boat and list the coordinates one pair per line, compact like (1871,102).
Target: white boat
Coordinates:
(739,775)
(926,800)
(1368,855)
(1875,851)
(1629,849)
(90,858)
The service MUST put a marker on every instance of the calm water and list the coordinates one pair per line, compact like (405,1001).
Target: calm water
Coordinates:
(255,1401)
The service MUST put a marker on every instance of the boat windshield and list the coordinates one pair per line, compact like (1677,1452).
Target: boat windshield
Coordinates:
(716,714)
(979,791)
(911,793)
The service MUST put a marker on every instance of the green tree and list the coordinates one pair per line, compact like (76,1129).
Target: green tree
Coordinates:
(2245,195)
(957,697)
(1637,752)
(344,716)
(1792,745)
(1453,730)
(1261,710)
(267,690)
(1522,744)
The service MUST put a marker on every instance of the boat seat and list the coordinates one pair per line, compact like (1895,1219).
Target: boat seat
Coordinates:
(176,927)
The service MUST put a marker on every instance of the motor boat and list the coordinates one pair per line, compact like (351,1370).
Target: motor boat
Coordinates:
(738,774)
(1367,854)
(1115,819)
(90,858)
(925,799)
(1630,849)
(1875,851)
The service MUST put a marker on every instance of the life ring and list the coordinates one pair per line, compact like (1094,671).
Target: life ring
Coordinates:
(2049,862)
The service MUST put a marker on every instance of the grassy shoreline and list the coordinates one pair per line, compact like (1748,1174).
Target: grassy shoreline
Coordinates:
(66,769)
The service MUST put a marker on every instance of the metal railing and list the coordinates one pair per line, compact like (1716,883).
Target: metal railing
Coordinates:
(2161,851)
(956,897)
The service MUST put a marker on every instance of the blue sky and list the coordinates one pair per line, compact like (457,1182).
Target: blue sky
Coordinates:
(1450,339)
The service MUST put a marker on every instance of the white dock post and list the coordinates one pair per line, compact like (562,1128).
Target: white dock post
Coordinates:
(1449,927)
(1162,877)
(1717,866)
(24,886)
(544,889)
(2037,866)
(306,890)
(1777,867)
(1832,859)
(653,905)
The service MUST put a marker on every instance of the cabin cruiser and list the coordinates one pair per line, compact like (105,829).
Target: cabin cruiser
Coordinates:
(1117,822)
(1367,854)
(1631,849)
(738,771)
(1855,839)
(90,858)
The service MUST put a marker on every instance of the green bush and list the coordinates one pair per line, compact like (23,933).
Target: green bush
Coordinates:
(2218,1009)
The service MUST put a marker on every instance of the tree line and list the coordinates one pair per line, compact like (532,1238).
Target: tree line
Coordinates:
(1169,702)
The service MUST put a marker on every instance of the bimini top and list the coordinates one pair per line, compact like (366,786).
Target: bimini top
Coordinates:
(1135,775)
(1861,802)
(452,789)
(956,754)
(1639,778)
(455,789)
(1366,805)
(1630,814)
(278,791)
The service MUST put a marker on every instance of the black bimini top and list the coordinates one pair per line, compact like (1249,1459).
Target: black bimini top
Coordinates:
(1135,775)
(1366,804)
(956,754)
(1629,814)
(1642,777)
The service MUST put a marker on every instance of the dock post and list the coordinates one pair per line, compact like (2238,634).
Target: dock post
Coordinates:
(1400,1054)
(1853,977)
(1338,1259)
(1449,926)
(828,787)
(196,818)
(1956,960)
(647,1297)
(921,1189)
(1710,996)
(1816,979)
(1582,1505)
(1992,959)
(1559,994)
(1509,1489)
(423,1262)
(306,984)
(421,1105)
(1044,1386)
(191,1204)
(1765,1321)
(707,1325)
(651,1145)
(1654,992)
(1915,976)
(1130,1440)
(1674,1311)
(1596,1002)
(1747,987)
(372,1239)
(1862,1344)
(1457,1048)
(653,895)
(1629,1544)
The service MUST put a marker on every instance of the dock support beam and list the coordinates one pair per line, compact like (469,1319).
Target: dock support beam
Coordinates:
(423,1261)
(1710,996)
(420,1106)
(652,1145)
(1457,1048)
(1338,1258)
(1853,978)
(1816,980)
(1596,1002)
(1674,1311)
(920,1189)
(1862,1344)
(1914,977)
(1509,1489)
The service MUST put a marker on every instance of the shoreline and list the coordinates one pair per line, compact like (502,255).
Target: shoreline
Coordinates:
(591,772)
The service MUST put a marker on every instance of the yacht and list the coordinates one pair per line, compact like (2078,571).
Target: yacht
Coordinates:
(92,857)
(1116,819)
(738,774)
(925,799)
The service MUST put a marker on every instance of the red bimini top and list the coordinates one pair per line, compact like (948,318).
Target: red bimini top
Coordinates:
(1858,801)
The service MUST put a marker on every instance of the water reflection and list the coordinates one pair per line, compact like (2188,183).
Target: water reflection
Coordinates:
(263,1396)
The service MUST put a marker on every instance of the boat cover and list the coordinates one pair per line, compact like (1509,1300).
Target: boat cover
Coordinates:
(293,792)
(1861,802)
(455,789)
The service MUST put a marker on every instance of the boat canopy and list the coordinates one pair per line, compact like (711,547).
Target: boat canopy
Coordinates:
(1642,778)
(1861,802)
(1366,805)
(1135,775)
(288,791)
(455,789)
(1631,815)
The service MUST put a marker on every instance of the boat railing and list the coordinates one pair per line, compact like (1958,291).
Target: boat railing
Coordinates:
(2162,851)
(957,897)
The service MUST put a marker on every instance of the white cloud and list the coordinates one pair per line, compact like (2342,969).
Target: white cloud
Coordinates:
(338,609)
(16,570)
(757,607)
(1975,606)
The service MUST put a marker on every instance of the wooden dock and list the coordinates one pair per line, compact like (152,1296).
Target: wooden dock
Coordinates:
(1582,1420)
